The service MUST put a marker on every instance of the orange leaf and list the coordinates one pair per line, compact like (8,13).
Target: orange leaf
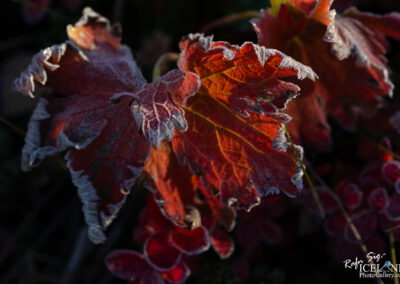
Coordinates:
(235,141)
(347,53)
(172,187)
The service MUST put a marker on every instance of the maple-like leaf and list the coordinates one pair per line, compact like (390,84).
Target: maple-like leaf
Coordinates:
(156,106)
(175,190)
(171,184)
(235,141)
(347,53)
(90,93)
(388,24)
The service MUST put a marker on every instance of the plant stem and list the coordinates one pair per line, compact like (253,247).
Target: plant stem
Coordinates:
(386,150)
(379,146)
(341,207)
(230,19)
(166,57)
(303,168)
(349,222)
(393,255)
(12,126)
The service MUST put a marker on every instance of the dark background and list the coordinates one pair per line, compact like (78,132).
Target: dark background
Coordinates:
(42,233)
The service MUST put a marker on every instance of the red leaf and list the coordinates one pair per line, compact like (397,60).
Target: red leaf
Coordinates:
(365,222)
(148,277)
(160,254)
(156,108)
(345,250)
(388,24)
(378,199)
(190,241)
(389,226)
(34,10)
(351,196)
(371,174)
(393,210)
(172,187)
(106,152)
(177,275)
(335,224)
(222,243)
(391,171)
(386,157)
(152,217)
(126,264)
(326,199)
(309,118)
(228,143)
(224,215)
(151,221)
(352,82)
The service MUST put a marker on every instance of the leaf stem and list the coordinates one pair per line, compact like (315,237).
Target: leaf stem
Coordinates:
(393,255)
(303,168)
(230,19)
(162,60)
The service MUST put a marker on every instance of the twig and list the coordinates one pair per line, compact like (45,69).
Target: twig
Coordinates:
(12,126)
(379,146)
(169,56)
(230,19)
(349,222)
(392,228)
(341,207)
(297,156)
